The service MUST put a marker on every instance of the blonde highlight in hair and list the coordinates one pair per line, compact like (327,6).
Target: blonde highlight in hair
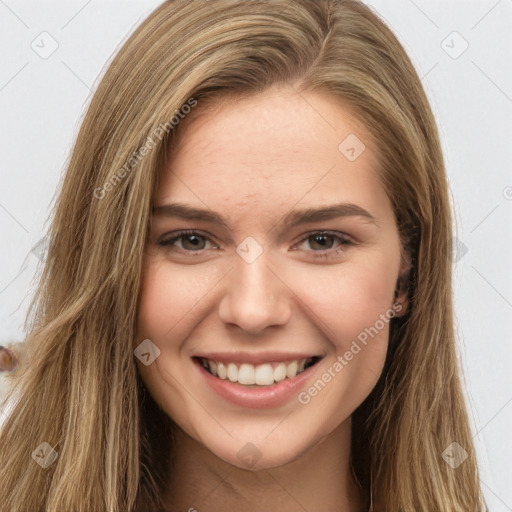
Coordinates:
(78,388)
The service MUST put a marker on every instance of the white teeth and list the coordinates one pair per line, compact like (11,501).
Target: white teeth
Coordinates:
(262,375)
(280,372)
(246,374)
(291,369)
(222,371)
(232,372)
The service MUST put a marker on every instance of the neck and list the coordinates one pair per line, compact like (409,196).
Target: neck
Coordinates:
(319,479)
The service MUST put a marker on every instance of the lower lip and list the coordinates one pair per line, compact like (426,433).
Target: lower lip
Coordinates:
(262,397)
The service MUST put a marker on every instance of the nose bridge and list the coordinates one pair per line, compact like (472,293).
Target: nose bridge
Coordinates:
(254,297)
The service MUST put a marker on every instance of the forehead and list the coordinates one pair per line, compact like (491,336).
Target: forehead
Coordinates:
(265,153)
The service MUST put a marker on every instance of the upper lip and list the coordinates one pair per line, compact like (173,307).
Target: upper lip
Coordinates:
(255,358)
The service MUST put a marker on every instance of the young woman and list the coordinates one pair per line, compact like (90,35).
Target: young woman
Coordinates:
(247,299)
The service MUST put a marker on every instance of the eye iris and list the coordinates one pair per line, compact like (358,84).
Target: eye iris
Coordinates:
(194,244)
(322,244)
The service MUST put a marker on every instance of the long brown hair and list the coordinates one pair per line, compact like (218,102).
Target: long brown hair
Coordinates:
(78,389)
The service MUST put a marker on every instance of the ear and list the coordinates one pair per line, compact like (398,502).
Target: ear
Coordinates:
(402,287)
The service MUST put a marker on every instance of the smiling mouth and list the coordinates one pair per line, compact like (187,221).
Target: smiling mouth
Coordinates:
(250,375)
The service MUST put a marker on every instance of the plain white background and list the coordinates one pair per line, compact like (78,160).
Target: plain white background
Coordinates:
(461,49)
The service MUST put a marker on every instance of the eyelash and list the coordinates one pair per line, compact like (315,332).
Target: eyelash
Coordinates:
(317,254)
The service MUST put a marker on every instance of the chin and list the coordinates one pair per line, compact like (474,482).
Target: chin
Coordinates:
(259,452)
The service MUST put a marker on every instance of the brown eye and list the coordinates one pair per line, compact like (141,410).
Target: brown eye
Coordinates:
(320,241)
(323,243)
(190,241)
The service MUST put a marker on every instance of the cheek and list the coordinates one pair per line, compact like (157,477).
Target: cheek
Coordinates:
(349,310)
(168,298)
(346,299)
(170,301)
(351,305)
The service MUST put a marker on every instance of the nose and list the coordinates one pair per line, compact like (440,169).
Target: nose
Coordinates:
(255,297)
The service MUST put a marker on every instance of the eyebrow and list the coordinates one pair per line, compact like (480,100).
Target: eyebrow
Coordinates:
(292,219)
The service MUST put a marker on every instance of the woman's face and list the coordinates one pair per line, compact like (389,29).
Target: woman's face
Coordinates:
(262,294)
